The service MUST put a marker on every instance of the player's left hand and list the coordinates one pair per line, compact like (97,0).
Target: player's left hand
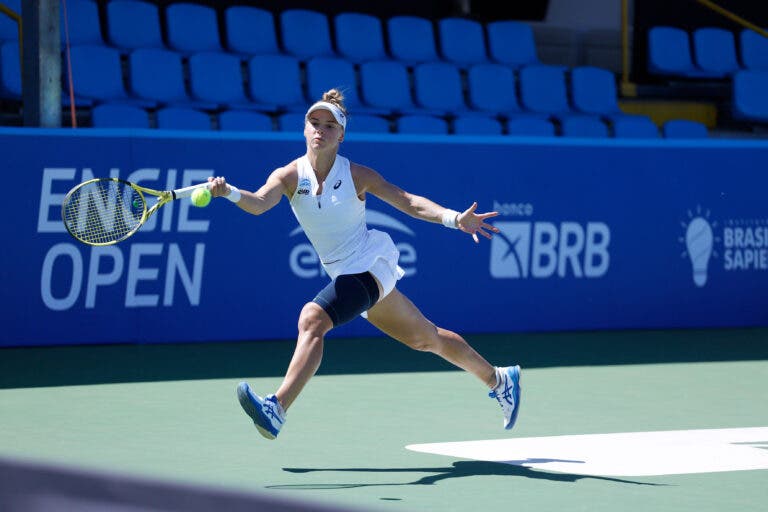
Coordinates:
(474,223)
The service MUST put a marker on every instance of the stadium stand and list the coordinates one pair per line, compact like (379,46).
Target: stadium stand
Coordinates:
(98,76)
(438,88)
(476,125)
(462,41)
(158,75)
(250,31)
(9,30)
(754,50)
(669,53)
(386,85)
(715,51)
(423,124)
(635,127)
(412,39)
(133,24)
(684,129)
(215,77)
(10,76)
(389,63)
(512,43)
(530,126)
(324,73)
(369,123)
(359,37)
(583,126)
(109,115)
(82,25)
(275,84)
(305,33)
(192,28)
(749,98)
(245,121)
(179,118)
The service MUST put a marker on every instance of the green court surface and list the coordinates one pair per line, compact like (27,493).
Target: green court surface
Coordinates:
(170,412)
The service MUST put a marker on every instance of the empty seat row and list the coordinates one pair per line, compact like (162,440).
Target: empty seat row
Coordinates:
(218,80)
(127,116)
(707,52)
(303,33)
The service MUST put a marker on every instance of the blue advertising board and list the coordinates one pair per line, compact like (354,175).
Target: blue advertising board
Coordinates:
(594,234)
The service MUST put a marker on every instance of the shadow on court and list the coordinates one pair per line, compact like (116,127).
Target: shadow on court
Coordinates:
(458,469)
(102,364)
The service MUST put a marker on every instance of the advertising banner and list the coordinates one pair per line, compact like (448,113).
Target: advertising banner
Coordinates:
(593,235)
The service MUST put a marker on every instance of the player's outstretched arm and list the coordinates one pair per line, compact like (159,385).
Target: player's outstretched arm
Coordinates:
(468,221)
(256,202)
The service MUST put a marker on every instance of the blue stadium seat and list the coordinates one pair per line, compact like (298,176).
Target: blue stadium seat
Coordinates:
(754,50)
(584,126)
(492,89)
(215,77)
(98,77)
(324,73)
(385,85)
(192,28)
(359,37)
(635,127)
(82,22)
(250,31)
(714,51)
(669,53)
(530,126)
(749,98)
(118,115)
(424,124)
(244,121)
(411,39)
(684,129)
(438,88)
(512,43)
(462,41)
(158,75)
(593,91)
(133,24)
(291,122)
(543,90)
(10,71)
(476,125)
(274,83)
(368,123)
(305,33)
(9,30)
(179,118)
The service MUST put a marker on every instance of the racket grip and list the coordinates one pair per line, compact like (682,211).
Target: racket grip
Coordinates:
(181,193)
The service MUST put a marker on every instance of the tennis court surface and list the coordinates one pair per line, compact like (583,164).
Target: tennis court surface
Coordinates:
(641,420)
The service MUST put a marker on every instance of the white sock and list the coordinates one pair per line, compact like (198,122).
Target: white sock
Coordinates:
(496,371)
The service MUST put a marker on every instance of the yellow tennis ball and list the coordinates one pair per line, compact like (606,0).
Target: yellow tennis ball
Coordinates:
(201,197)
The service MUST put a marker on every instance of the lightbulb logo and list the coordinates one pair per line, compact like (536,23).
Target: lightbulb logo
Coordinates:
(699,240)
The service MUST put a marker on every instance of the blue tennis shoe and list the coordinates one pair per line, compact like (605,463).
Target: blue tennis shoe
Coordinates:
(267,413)
(507,393)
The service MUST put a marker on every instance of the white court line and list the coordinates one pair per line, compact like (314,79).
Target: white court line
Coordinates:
(622,454)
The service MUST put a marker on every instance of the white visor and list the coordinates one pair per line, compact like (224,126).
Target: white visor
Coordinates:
(337,113)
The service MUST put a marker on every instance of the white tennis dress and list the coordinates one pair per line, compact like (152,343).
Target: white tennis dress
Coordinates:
(334,222)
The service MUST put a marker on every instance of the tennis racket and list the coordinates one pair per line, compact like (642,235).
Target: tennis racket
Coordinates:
(105,211)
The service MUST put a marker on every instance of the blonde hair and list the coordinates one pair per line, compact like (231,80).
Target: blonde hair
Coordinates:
(335,97)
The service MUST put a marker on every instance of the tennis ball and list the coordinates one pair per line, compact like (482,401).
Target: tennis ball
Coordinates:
(201,197)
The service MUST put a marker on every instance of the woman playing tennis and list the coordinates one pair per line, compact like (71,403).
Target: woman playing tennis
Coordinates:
(327,194)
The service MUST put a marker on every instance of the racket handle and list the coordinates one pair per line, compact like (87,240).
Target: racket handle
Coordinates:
(181,193)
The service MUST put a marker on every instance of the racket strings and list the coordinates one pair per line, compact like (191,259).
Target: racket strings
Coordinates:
(104,212)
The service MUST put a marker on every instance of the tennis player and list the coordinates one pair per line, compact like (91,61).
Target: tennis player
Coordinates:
(327,194)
